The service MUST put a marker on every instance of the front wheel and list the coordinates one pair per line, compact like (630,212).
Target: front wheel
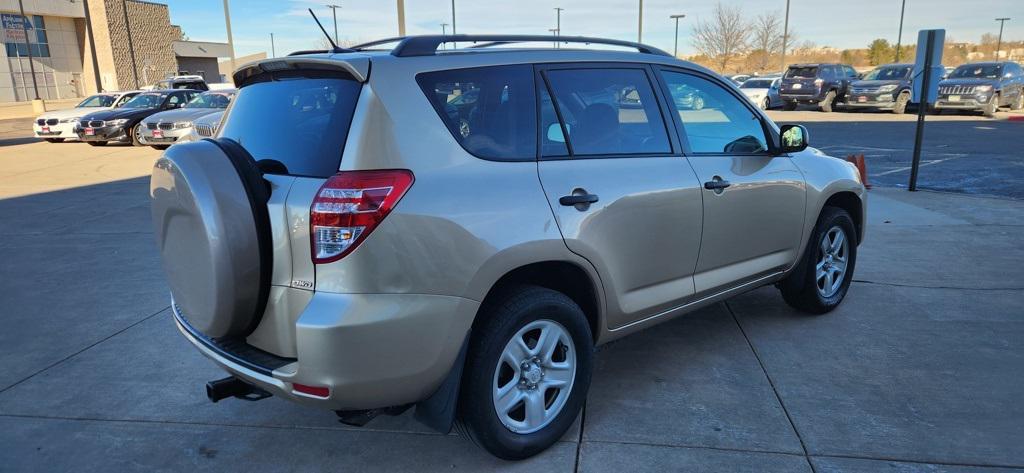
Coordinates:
(765,104)
(1018,103)
(901,104)
(992,107)
(822,277)
(527,372)
(136,139)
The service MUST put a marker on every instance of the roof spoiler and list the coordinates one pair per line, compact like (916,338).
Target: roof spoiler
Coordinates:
(357,67)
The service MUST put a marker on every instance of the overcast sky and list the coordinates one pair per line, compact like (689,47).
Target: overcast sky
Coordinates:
(849,24)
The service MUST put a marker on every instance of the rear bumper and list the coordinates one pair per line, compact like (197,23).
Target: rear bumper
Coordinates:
(369,350)
(802,98)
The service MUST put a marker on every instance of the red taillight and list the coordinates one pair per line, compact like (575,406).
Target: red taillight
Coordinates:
(349,206)
(318,391)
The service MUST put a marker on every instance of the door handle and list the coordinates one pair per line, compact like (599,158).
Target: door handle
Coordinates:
(717,184)
(577,199)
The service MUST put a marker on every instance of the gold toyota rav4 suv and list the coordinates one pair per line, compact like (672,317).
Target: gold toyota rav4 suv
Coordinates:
(395,226)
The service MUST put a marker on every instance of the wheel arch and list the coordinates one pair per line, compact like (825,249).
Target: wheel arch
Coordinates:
(566,277)
(852,204)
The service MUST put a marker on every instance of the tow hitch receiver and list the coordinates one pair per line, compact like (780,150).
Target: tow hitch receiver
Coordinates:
(233,387)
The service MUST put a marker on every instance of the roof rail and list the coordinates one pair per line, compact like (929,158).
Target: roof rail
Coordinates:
(427,45)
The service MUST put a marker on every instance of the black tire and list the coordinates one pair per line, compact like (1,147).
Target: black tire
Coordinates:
(97,143)
(991,107)
(134,138)
(1018,103)
(160,147)
(828,103)
(789,106)
(766,104)
(800,287)
(54,140)
(901,103)
(499,321)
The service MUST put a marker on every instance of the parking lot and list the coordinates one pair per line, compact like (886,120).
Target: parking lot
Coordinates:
(921,369)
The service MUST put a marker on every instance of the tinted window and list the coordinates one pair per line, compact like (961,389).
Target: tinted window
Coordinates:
(491,111)
(145,101)
(981,71)
(722,125)
(300,122)
(798,72)
(888,73)
(609,111)
(552,139)
(850,72)
(209,100)
(757,84)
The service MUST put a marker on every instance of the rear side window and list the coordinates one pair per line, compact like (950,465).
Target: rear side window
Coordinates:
(491,111)
(300,121)
(806,72)
(608,112)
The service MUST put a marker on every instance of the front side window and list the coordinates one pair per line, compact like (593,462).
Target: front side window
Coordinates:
(125,99)
(608,112)
(491,111)
(723,125)
(210,100)
(889,73)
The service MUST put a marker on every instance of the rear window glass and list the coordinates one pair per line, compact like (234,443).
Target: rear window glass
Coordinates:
(491,111)
(301,122)
(802,72)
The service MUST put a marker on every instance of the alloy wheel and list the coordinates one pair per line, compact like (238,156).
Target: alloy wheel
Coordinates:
(534,376)
(833,254)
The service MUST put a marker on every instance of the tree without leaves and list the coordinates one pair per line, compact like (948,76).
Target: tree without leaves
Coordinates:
(766,39)
(723,37)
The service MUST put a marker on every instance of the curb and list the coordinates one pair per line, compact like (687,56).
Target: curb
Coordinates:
(1015,118)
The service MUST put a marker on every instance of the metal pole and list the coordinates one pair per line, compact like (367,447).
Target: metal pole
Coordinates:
(28,46)
(785,37)
(273,51)
(231,41)
(640,24)
(444,32)
(922,107)
(558,23)
(675,50)
(999,44)
(453,17)
(401,17)
(92,46)
(334,11)
(899,37)
(131,45)
(554,33)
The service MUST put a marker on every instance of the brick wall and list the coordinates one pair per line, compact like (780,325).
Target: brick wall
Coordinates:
(151,34)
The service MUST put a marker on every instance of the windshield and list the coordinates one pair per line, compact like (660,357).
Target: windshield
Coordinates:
(300,122)
(979,71)
(757,84)
(98,101)
(209,101)
(807,72)
(888,73)
(145,101)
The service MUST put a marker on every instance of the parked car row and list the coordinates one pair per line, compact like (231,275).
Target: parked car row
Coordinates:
(159,117)
(983,87)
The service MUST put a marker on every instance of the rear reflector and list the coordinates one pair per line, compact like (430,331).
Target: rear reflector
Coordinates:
(318,391)
(349,206)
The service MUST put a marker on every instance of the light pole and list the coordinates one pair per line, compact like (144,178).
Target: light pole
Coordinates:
(334,10)
(675,50)
(640,23)
(899,37)
(273,52)
(785,36)
(558,23)
(554,32)
(999,44)
(444,32)
(453,16)
(231,42)
(401,17)
(28,46)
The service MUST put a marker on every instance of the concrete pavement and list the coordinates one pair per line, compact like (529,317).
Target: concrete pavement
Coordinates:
(921,369)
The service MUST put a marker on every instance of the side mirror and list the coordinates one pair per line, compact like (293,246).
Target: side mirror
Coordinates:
(794,138)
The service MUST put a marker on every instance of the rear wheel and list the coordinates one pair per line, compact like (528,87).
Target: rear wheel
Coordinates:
(527,372)
(828,102)
(901,103)
(789,106)
(97,143)
(822,277)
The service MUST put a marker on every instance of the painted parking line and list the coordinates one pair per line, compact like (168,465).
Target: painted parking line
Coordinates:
(907,168)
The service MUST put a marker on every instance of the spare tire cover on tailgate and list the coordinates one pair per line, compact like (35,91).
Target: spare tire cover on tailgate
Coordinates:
(212,230)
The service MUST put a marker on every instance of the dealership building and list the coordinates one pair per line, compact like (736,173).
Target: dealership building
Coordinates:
(135,45)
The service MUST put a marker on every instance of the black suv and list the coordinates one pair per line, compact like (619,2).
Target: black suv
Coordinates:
(983,86)
(822,84)
(884,88)
(125,122)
